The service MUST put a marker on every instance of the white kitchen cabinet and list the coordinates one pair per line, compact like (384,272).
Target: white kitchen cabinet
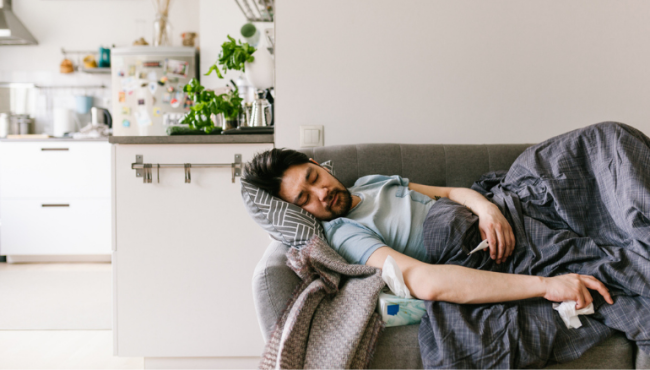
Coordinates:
(55,198)
(184,255)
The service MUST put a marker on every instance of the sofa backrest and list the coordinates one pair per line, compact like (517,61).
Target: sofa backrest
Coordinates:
(428,164)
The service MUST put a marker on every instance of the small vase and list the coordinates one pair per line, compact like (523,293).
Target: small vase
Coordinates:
(162,31)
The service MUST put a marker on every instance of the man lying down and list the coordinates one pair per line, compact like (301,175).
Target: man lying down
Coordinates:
(570,221)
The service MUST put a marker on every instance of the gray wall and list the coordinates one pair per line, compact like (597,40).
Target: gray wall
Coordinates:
(459,71)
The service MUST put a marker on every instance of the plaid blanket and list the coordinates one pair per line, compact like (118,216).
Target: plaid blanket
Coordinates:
(330,322)
(578,203)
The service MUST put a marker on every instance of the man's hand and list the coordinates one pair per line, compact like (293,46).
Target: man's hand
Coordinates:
(495,228)
(573,287)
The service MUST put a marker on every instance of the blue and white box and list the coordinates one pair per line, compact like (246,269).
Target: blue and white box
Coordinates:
(396,311)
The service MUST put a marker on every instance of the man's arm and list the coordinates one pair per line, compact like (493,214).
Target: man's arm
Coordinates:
(457,284)
(492,225)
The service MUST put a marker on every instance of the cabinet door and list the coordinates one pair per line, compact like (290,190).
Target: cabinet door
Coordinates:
(185,255)
(55,226)
(60,169)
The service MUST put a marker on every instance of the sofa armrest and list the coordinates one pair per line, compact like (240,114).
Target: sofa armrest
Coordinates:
(273,285)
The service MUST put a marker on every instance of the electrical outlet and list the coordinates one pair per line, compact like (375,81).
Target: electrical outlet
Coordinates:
(311,136)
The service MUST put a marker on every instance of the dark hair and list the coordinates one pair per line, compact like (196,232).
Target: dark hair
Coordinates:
(266,169)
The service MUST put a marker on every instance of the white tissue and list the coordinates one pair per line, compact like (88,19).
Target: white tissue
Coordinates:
(392,275)
(569,314)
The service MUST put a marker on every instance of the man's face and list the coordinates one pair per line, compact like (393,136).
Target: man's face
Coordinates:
(315,190)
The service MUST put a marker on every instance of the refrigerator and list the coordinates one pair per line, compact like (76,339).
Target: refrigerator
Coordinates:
(147,88)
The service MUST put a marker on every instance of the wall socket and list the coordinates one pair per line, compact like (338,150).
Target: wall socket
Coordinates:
(311,136)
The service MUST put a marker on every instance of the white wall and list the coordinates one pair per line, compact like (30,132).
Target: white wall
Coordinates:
(218,19)
(85,25)
(459,71)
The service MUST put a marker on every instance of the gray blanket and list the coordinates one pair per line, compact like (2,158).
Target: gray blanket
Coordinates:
(330,322)
(578,203)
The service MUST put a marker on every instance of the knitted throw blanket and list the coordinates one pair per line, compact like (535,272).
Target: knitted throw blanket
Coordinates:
(330,322)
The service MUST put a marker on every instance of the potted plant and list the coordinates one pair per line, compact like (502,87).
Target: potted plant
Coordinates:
(206,104)
(238,56)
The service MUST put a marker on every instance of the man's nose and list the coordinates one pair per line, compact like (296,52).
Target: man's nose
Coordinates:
(323,193)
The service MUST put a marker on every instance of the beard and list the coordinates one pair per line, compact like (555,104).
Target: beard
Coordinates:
(342,206)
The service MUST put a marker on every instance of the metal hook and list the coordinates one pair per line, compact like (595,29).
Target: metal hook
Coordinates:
(147,173)
(158,172)
(188,178)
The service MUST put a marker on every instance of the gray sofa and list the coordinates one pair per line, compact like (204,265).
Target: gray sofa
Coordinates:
(429,164)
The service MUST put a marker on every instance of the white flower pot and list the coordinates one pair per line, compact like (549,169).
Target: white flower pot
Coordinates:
(260,72)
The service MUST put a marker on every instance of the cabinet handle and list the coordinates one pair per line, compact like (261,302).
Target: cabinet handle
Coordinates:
(55,149)
(55,205)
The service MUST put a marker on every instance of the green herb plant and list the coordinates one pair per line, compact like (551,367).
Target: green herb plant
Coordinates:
(206,103)
(233,56)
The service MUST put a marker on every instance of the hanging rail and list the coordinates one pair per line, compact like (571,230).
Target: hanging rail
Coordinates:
(144,170)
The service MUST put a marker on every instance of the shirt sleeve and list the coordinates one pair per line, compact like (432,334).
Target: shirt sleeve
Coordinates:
(353,241)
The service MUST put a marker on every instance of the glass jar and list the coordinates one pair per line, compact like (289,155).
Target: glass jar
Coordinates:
(162,31)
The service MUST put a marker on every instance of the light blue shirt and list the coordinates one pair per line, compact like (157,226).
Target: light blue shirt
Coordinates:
(389,214)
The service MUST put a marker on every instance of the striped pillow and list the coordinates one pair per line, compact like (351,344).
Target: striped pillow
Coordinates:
(285,222)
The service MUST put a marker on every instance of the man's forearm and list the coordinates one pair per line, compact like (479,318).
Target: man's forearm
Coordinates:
(459,284)
(471,199)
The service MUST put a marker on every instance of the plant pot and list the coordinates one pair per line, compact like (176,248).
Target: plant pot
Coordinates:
(260,72)
(228,123)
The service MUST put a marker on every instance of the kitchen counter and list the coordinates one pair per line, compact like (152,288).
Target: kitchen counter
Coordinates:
(192,139)
(52,139)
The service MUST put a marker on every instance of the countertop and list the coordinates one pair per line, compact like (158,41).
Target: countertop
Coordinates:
(51,139)
(192,139)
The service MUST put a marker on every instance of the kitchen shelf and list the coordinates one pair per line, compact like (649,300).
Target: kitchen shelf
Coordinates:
(95,70)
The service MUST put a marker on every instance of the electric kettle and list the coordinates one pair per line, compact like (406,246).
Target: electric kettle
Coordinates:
(100,116)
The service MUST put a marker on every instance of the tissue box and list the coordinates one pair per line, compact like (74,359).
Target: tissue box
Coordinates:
(396,311)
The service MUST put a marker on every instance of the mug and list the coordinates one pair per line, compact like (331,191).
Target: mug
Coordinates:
(84,103)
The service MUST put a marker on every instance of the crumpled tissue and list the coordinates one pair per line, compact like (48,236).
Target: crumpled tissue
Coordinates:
(392,275)
(569,314)
(399,308)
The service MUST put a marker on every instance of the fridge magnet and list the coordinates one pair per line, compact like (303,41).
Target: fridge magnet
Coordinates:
(175,103)
(152,64)
(120,72)
(177,67)
(141,101)
(143,118)
(167,97)
(129,84)
(153,87)
(126,123)
(153,100)
(142,75)
(138,63)
(126,111)
(132,70)
(162,81)
(170,89)
(173,80)
(152,76)
(188,102)
(121,96)
(157,112)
